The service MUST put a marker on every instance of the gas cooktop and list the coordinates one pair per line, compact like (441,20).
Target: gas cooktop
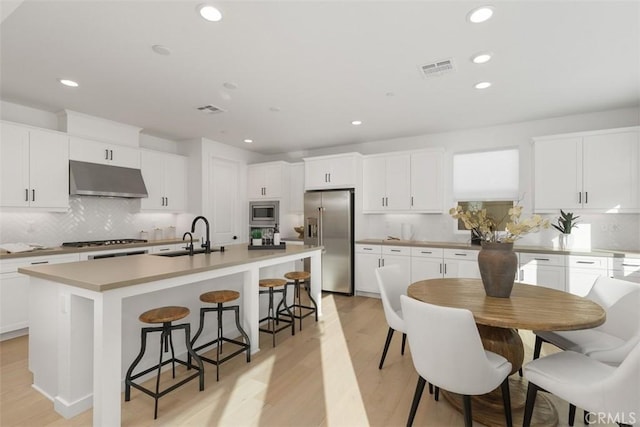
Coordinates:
(102,243)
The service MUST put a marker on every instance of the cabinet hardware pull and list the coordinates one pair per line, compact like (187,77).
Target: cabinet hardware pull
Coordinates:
(106,154)
(330,181)
(367,249)
(585,262)
(580,197)
(426,252)
(382,201)
(382,262)
(33,195)
(111,152)
(542,259)
(386,201)
(440,268)
(163,249)
(445,269)
(167,201)
(39,262)
(457,254)
(395,250)
(624,264)
(26,194)
(411,200)
(586,197)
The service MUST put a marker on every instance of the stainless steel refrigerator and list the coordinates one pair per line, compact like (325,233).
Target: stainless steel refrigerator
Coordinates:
(329,222)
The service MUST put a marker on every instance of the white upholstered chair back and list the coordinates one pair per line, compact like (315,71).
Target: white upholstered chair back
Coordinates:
(391,287)
(447,350)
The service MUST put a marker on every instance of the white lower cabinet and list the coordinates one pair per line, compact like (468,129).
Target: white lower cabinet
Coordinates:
(627,268)
(461,263)
(14,289)
(370,257)
(426,263)
(542,270)
(582,272)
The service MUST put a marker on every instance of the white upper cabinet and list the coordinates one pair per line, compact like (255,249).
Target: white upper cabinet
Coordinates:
(267,180)
(427,181)
(591,170)
(86,150)
(296,188)
(406,182)
(34,168)
(165,176)
(336,171)
(385,183)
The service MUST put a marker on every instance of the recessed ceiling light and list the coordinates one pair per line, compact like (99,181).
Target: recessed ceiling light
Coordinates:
(248,141)
(482,85)
(68,82)
(161,50)
(356,122)
(209,12)
(480,14)
(275,109)
(230,85)
(481,58)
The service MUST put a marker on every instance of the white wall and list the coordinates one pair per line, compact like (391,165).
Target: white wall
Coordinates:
(610,231)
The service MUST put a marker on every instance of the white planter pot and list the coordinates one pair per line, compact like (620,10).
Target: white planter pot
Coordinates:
(256,242)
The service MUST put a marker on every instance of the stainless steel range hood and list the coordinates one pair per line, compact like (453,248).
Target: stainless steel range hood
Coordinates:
(93,179)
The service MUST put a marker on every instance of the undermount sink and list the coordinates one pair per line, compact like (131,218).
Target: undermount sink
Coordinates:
(184,253)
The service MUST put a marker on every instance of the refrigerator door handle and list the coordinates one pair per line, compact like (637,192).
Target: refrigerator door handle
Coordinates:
(320,227)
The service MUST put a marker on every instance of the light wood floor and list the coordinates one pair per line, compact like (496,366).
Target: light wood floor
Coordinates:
(326,375)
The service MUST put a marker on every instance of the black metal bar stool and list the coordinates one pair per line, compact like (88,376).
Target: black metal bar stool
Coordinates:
(164,315)
(219,298)
(299,278)
(272,318)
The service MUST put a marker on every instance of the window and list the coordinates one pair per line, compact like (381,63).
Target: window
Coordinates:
(486,175)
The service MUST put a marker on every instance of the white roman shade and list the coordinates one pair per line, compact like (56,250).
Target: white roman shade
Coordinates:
(486,175)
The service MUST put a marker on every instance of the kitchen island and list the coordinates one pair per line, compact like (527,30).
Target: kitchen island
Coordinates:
(83,323)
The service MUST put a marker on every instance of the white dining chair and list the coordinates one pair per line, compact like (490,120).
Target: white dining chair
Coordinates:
(609,393)
(446,348)
(613,340)
(391,287)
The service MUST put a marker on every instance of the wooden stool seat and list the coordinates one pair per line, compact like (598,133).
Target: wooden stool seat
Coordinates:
(271,283)
(164,314)
(219,297)
(297,275)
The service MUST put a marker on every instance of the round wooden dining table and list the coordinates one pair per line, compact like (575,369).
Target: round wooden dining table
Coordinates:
(529,307)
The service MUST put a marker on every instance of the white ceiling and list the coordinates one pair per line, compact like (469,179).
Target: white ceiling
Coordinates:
(321,63)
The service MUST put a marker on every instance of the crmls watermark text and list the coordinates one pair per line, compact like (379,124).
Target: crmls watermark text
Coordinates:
(608,417)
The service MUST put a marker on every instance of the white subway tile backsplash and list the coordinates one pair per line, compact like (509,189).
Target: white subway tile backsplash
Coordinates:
(89,218)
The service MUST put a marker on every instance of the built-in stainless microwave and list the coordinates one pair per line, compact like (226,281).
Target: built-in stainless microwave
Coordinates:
(264,213)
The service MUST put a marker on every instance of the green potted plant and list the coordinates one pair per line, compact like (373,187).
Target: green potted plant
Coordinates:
(256,237)
(564,224)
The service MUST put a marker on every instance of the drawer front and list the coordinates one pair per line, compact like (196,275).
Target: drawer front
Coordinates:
(368,249)
(12,266)
(627,264)
(396,250)
(541,259)
(587,262)
(427,252)
(462,254)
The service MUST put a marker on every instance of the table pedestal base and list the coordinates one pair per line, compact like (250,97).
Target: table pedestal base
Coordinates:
(489,410)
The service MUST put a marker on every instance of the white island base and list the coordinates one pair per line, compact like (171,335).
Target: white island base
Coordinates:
(84,329)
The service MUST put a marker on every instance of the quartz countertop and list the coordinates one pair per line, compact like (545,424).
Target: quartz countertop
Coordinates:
(518,248)
(62,250)
(111,273)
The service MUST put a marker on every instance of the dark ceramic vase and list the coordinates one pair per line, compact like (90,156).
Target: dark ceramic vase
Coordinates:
(498,264)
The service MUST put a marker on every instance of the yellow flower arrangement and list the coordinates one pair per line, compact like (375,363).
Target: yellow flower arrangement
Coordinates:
(484,226)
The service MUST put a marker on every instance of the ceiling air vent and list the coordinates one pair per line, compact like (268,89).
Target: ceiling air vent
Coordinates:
(210,109)
(437,68)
